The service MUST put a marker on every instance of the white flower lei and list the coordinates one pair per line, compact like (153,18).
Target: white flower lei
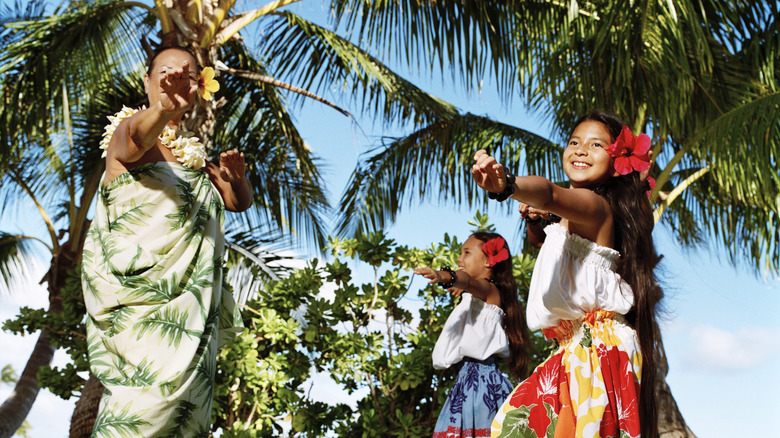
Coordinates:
(189,151)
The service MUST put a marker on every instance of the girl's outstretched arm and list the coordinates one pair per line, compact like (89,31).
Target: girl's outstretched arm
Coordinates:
(577,205)
(479,287)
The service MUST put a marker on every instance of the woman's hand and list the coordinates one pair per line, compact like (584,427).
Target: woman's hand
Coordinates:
(230,179)
(232,168)
(177,89)
(488,173)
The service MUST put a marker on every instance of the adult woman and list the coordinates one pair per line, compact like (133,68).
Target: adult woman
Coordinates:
(152,272)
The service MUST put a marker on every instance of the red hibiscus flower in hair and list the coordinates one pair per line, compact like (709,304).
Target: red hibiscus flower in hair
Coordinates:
(630,152)
(494,249)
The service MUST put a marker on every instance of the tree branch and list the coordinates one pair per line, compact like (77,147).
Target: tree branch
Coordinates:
(677,191)
(277,83)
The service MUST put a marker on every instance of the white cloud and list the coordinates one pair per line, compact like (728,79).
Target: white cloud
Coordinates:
(715,349)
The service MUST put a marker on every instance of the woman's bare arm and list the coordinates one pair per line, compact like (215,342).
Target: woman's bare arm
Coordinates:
(230,180)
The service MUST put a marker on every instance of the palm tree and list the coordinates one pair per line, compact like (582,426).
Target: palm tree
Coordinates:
(700,77)
(64,70)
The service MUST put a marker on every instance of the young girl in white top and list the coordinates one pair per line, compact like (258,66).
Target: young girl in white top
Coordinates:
(593,289)
(487,326)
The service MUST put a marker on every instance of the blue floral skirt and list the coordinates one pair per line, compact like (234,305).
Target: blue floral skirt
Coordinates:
(479,391)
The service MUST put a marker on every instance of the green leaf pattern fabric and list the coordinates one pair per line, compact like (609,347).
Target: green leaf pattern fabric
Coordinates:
(158,308)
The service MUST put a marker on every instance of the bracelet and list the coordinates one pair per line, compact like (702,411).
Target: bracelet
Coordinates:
(533,221)
(508,190)
(453,278)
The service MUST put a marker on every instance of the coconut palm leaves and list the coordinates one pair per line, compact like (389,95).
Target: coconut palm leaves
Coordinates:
(48,56)
(700,77)
(435,162)
(14,255)
(317,58)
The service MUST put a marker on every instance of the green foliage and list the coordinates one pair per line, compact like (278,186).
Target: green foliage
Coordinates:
(481,224)
(8,375)
(372,338)
(66,330)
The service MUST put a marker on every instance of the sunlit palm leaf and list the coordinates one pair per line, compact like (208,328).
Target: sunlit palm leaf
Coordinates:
(437,160)
(315,58)
(289,191)
(473,37)
(77,46)
(15,255)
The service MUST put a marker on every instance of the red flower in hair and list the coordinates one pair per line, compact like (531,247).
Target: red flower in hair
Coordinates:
(494,249)
(630,152)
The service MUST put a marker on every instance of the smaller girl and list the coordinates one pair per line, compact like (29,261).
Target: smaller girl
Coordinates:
(488,325)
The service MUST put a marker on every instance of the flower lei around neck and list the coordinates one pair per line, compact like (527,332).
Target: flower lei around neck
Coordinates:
(188,150)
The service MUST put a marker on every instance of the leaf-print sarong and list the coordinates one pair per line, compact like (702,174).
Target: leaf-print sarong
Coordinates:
(479,390)
(588,388)
(157,308)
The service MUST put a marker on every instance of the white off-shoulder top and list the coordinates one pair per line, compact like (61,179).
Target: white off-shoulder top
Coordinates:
(574,276)
(473,330)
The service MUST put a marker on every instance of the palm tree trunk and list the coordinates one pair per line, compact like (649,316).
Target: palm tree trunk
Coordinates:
(15,408)
(83,419)
(670,421)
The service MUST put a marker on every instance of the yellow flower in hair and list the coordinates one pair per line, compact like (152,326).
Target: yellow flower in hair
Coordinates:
(206,83)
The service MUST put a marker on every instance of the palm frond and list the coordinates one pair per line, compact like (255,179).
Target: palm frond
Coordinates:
(288,186)
(474,38)
(437,159)
(252,260)
(742,147)
(315,58)
(76,46)
(15,255)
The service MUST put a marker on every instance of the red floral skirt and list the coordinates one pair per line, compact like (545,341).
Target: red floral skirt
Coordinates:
(588,388)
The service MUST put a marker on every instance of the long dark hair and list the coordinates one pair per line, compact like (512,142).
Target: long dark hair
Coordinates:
(514,323)
(633,218)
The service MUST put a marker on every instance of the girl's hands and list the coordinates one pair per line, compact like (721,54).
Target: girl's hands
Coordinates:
(177,89)
(530,213)
(435,276)
(232,168)
(488,173)
(431,274)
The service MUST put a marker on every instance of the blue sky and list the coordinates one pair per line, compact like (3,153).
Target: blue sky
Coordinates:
(721,329)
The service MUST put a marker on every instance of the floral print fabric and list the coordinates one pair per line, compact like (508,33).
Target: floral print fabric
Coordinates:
(589,386)
(479,390)
(157,308)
